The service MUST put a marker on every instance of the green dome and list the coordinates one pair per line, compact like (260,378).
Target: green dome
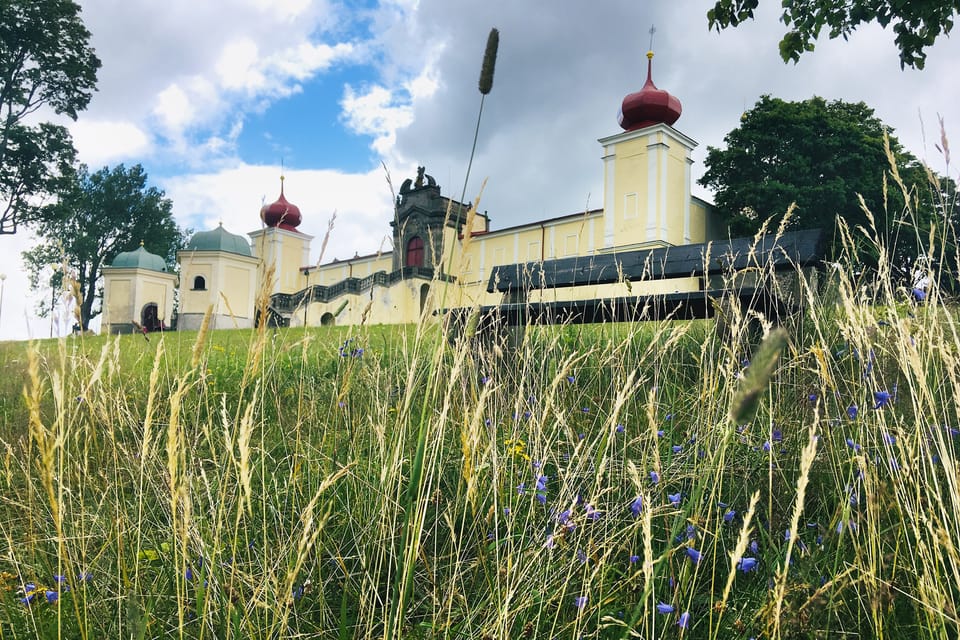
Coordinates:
(219,240)
(139,259)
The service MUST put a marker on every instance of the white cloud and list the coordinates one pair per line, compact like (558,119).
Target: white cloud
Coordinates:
(102,142)
(173,108)
(377,112)
(234,195)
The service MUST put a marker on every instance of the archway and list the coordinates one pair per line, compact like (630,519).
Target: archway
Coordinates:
(150,317)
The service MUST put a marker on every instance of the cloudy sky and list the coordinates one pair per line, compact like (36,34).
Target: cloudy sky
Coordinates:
(211,97)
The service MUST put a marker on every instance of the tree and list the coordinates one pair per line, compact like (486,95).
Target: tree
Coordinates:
(96,217)
(823,156)
(45,62)
(917,25)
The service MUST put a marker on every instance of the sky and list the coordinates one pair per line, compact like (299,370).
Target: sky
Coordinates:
(349,97)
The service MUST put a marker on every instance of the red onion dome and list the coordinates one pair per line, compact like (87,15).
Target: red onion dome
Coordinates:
(649,106)
(281,213)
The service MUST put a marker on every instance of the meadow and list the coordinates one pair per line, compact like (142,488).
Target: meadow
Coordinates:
(652,480)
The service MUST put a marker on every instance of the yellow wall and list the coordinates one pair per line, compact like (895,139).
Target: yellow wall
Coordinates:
(119,306)
(287,251)
(230,274)
(334,272)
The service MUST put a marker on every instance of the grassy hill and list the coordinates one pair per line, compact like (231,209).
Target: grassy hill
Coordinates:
(657,479)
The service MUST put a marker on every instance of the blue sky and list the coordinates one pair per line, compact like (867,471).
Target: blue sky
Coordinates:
(210,97)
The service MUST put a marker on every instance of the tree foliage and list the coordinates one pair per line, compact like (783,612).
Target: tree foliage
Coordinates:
(822,156)
(96,217)
(917,25)
(45,62)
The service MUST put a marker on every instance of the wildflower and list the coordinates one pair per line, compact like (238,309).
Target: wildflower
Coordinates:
(684,621)
(729,515)
(766,446)
(637,506)
(754,547)
(634,559)
(542,483)
(654,477)
(485,380)
(585,409)
(506,511)
(812,398)
(52,596)
(677,448)
(580,602)
(668,417)
(777,436)
(620,428)
(592,513)
(571,379)
(581,556)
(694,555)
(521,488)
(581,436)
(659,433)
(853,445)
(550,543)
(852,412)
(888,439)
(541,498)
(674,498)
(84,576)
(882,399)
(747,564)
(664,608)
(786,535)
(564,516)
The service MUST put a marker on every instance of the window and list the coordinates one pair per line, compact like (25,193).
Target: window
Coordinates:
(199,284)
(415,252)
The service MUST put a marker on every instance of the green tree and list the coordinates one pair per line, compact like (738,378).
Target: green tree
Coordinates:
(45,62)
(917,25)
(822,156)
(96,217)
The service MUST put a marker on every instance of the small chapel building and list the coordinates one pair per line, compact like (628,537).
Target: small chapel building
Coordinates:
(439,243)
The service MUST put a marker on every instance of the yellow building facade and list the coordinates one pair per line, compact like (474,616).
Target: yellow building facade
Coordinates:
(442,254)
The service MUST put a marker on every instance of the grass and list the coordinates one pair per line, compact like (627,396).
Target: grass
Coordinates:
(609,481)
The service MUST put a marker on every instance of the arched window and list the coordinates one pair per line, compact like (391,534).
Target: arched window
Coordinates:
(199,284)
(415,252)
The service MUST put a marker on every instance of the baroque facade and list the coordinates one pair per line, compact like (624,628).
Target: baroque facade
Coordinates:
(438,244)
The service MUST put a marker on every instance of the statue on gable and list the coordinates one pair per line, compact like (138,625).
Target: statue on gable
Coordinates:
(423,179)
